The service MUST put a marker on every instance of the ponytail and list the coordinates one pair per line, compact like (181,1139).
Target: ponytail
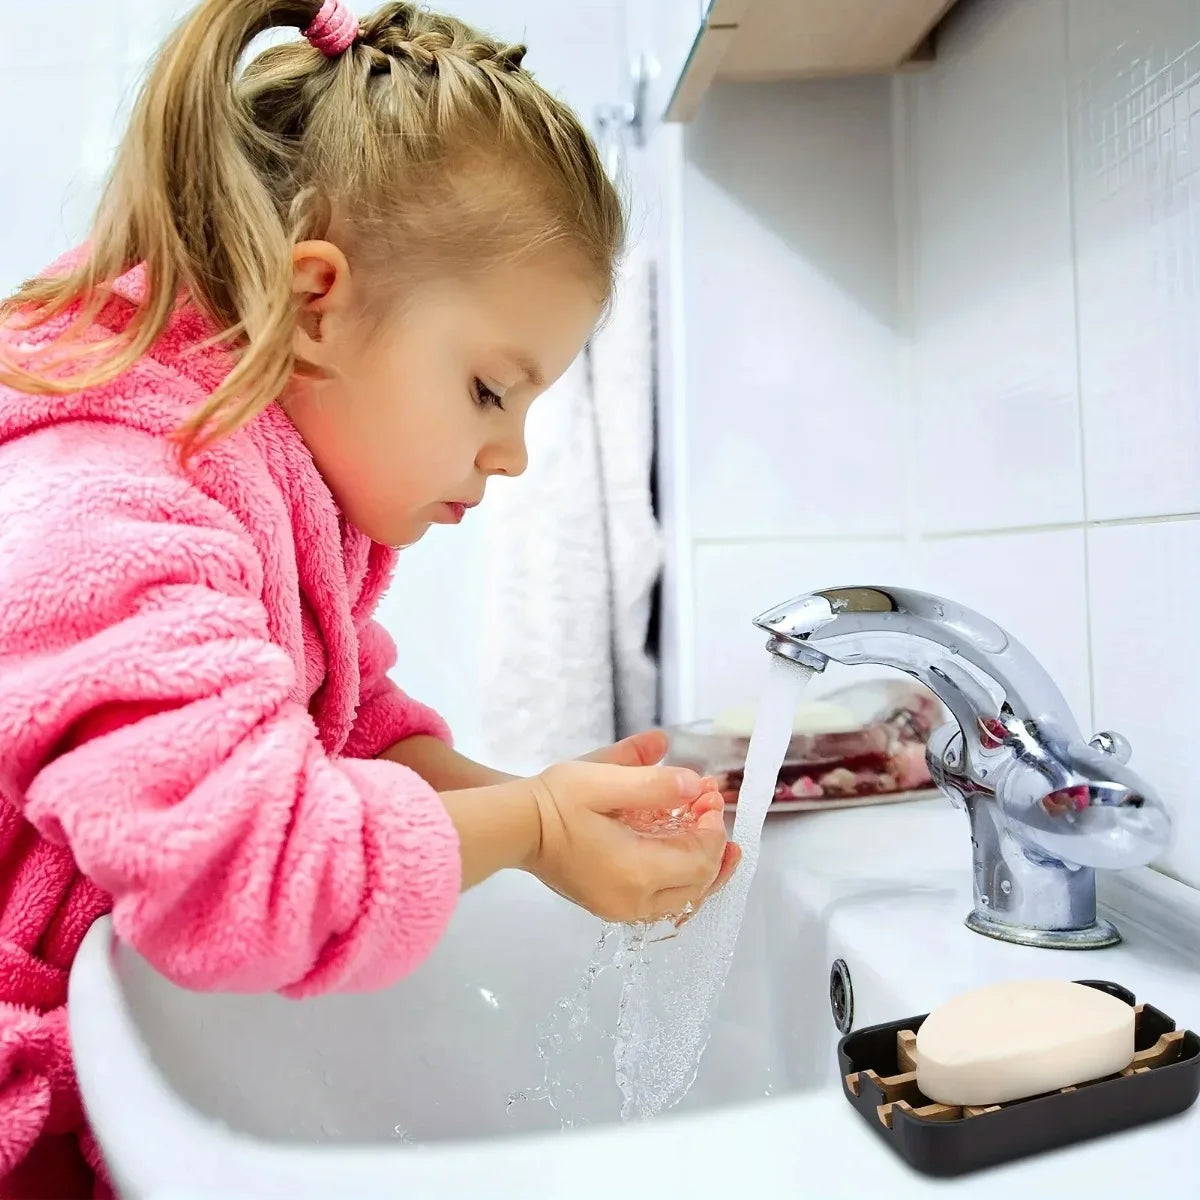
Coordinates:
(187,198)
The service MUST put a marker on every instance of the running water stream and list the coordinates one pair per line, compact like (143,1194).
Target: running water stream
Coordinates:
(670,985)
(667,1006)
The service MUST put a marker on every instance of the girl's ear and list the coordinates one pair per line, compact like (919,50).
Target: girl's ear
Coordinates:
(322,287)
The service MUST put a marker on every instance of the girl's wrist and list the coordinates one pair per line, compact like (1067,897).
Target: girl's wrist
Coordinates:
(442,767)
(499,827)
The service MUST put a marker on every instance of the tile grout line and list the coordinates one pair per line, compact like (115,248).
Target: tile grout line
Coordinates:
(1062,526)
(905,202)
(894,535)
(800,539)
(1073,243)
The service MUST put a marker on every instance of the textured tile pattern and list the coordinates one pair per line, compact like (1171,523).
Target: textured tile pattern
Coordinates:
(1133,73)
(1048,196)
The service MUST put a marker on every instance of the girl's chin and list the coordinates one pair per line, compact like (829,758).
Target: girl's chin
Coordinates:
(411,538)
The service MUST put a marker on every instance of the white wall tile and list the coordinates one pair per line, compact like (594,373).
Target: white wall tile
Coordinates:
(994,353)
(1145,580)
(1050,233)
(736,582)
(794,422)
(1031,584)
(1135,131)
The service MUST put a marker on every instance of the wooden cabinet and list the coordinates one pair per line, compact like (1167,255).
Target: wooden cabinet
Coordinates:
(765,40)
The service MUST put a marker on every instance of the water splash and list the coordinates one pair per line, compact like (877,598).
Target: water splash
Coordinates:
(564,1030)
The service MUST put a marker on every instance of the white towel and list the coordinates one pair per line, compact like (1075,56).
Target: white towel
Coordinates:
(622,358)
(573,553)
(547,666)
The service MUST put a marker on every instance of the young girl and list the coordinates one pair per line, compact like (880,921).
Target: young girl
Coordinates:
(318,302)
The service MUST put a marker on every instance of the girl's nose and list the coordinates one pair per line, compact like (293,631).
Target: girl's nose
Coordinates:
(507,456)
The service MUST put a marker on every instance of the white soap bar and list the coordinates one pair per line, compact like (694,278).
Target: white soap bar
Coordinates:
(811,716)
(1021,1038)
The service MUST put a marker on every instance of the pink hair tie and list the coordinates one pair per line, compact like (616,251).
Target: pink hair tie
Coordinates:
(333,30)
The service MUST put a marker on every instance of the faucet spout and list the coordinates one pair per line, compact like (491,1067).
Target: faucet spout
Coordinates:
(1046,806)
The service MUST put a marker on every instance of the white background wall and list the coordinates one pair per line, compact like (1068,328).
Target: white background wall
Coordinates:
(791,321)
(1017,424)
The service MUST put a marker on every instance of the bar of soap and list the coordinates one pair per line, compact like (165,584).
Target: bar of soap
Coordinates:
(1021,1038)
(810,716)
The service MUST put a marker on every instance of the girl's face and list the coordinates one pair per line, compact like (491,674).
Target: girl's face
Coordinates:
(419,415)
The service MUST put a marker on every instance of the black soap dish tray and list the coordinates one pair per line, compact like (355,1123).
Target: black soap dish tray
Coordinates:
(878,1070)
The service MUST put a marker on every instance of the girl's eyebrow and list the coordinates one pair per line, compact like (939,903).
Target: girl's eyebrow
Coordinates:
(526,365)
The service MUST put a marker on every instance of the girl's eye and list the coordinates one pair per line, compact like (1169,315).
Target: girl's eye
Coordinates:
(484,396)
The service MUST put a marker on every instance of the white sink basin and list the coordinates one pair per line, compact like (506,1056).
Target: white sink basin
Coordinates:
(260,1096)
(437,1055)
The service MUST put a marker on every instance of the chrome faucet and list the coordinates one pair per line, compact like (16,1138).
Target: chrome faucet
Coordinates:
(1046,807)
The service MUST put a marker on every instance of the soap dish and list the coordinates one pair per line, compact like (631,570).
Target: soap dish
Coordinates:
(878,1072)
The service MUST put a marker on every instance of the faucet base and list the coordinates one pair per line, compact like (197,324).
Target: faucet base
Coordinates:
(1096,936)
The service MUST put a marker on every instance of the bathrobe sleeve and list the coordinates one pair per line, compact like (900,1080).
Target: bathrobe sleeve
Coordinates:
(148,722)
(386,715)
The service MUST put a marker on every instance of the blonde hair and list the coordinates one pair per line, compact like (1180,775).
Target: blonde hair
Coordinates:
(426,145)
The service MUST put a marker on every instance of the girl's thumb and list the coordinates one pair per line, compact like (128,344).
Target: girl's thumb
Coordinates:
(654,787)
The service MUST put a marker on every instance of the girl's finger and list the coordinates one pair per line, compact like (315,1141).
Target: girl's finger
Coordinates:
(710,799)
(729,864)
(640,750)
(650,787)
(673,904)
(691,859)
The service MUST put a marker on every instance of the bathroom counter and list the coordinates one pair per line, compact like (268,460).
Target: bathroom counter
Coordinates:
(885,889)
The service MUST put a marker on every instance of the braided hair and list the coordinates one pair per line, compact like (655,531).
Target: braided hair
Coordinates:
(425,146)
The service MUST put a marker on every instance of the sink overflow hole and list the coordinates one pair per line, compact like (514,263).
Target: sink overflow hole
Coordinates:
(841,996)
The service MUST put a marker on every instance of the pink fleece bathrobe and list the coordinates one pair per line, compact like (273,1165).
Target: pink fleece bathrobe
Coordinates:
(192,696)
